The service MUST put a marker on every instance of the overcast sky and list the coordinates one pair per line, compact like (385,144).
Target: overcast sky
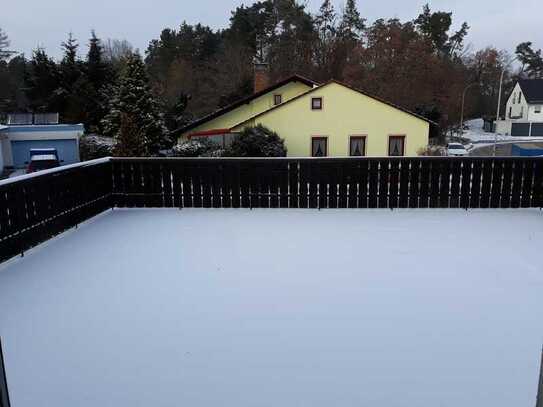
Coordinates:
(29,23)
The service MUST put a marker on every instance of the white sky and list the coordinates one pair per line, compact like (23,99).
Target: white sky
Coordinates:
(30,23)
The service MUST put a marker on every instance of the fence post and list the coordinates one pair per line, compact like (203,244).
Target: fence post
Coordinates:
(4,395)
(539,400)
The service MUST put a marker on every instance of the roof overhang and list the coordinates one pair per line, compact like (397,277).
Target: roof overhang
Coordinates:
(208,133)
(294,78)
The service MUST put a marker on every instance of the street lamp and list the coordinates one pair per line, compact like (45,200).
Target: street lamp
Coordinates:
(463,102)
(500,102)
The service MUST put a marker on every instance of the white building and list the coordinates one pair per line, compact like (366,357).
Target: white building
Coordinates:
(524,110)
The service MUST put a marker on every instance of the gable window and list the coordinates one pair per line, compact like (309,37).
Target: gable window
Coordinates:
(519,97)
(537,109)
(514,98)
(319,146)
(396,146)
(357,146)
(510,112)
(277,99)
(316,103)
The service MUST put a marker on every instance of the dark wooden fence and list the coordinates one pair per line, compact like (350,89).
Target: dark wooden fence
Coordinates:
(38,207)
(4,395)
(539,400)
(426,182)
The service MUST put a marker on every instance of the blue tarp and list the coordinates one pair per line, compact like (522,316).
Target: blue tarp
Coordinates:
(519,151)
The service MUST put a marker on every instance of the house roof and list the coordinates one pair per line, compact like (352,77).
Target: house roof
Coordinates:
(235,105)
(341,84)
(532,90)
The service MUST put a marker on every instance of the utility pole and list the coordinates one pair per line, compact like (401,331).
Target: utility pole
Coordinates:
(539,402)
(4,395)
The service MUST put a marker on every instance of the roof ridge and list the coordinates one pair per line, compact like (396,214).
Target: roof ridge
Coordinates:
(234,105)
(330,81)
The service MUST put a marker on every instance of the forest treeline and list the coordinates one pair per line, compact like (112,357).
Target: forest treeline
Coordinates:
(422,65)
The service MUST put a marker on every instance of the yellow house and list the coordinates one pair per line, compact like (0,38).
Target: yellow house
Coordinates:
(332,119)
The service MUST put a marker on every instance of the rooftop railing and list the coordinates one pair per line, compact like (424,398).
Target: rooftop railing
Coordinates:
(36,207)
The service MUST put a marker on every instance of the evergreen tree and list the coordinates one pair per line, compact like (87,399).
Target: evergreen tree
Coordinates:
(129,140)
(325,25)
(532,61)
(4,45)
(97,74)
(435,26)
(351,25)
(42,81)
(133,97)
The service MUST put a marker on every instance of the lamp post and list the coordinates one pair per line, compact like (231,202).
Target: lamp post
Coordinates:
(463,103)
(500,102)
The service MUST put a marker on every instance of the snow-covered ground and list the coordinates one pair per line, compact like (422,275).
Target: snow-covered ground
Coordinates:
(275,308)
(476,134)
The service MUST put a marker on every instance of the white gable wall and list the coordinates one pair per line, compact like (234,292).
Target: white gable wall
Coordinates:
(522,111)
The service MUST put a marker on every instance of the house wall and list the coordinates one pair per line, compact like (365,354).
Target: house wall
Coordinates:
(516,110)
(20,139)
(251,109)
(522,111)
(345,113)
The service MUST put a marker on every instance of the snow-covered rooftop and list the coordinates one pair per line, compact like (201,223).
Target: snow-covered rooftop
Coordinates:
(279,308)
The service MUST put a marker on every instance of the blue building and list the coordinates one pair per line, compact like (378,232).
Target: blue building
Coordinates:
(16,141)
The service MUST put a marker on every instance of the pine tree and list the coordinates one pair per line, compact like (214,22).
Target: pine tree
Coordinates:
(133,97)
(42,80)
(532,61)
(351,25)
(97,72)
(4,44)
(325,24)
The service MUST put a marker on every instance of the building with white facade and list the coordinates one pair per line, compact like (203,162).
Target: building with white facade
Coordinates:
(524,110)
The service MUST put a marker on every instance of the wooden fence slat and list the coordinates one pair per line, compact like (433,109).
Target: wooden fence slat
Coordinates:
(486,183)
(505,201)
(384,182)
(527,187)
(363,171)
(405,171)
(496,190)
(424,198)
(516,185)
(394,187)
(435,175)
(414,183)
(475,183)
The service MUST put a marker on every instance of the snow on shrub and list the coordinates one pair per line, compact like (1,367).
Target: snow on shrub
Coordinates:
(257,141)
(201,147)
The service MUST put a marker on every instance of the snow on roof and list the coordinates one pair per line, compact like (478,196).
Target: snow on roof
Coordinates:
(44,157)
(43,149)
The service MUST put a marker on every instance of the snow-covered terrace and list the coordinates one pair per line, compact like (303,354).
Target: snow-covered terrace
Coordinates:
(278,308)
(274,307)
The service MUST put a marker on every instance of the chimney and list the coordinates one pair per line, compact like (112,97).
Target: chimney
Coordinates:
(262,76)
